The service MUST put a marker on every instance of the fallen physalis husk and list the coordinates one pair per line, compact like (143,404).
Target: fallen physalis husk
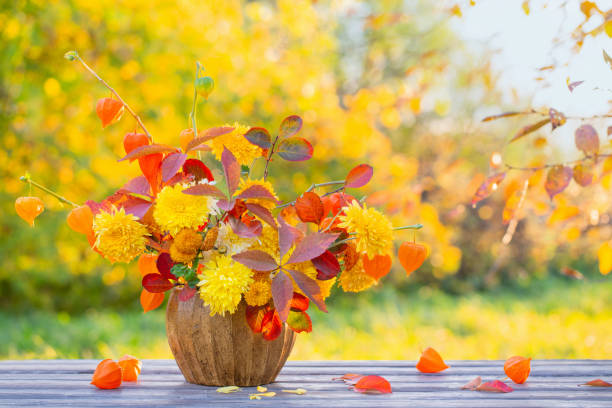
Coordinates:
(261,388)
(598,383)
(228,389)
(261,394)
(298,391)
(472,385)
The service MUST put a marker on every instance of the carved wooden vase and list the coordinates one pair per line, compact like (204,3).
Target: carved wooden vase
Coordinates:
(222,350)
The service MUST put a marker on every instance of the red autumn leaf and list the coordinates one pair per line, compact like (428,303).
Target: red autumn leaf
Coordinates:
(311,246)
(524,131)
(572,85)
(299,322)
(198,170)
(164,265)
(271,325)
(251,230)
(472,385)
(309,207)
(186,293)
(299,302)
(586,139)
(327,265)
(151,168)
(487,187)
(195,143)
(259,137)
(295,149)
(254,317)
(557,179)
(287,235)
(261,212)
(150,301)
(378,266)
(598,383)
(231,170)
(282,293)
(359,176)
(431,362)
(494,386)
(134,140)
(583,174)
(258,192)
(146,150)
(138,185)
(310,288)
(109,111)
(290,126)
(517,368)
(373,384)
(226,205)
(205,190)
(257,260)
(155,283)
(172,164)
(136,206)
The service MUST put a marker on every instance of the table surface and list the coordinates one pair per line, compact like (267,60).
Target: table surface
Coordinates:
(552,383)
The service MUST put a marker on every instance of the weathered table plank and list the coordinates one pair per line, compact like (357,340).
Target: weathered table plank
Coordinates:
(553,383)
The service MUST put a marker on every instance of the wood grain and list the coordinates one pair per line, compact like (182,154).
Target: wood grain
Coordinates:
(222,350)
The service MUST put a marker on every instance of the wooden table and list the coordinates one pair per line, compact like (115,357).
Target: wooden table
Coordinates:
(553,383)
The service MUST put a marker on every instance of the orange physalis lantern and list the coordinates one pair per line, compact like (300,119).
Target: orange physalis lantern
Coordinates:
(80,219)
(431,362)
(131,367)
(109,111)
(411,256)
(150,166)
(107,375)
(133,140)
(147,263)
(517,368)
(378,266)
(185,137)
(150,301)
(29,208)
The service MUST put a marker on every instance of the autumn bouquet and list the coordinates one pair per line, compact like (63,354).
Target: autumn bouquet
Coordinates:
(231,239)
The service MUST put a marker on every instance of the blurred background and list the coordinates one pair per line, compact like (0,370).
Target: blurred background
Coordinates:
(401,85)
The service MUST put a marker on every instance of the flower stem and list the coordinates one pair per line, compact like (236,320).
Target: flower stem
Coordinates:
(192,115)
(313,186)
(409,227)
(26,179)
(335,244)
(127,107)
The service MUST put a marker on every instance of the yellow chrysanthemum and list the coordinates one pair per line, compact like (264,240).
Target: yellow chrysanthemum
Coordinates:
(267,241)
(373,231)
(244,151)
(244,184)
(259,293)
(175,210)
(119,236)
(356,279)
(222,283)
(231,243)
(308,269)
(180,256)
(188,240)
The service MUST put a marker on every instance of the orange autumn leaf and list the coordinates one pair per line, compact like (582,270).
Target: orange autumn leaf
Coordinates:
(147,263)
(109,111)
(411,256)
(28,208)
(150,166)
(373,384)
(150,301)
(494,386)
(80,220)
(108,375)
(378,266)
(517,368)
(185,137)
(131,367)
(598,383)
(472,385)
(431,362)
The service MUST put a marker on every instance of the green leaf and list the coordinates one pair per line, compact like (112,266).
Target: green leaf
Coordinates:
(71,55)
(299,322)
(295,149)
(259,137)
(180,269)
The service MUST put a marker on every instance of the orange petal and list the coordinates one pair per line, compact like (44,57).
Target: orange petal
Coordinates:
(431,362)
(28,208)
(131,367)
(378,266)
(150,301)
(107,375)
(517,368)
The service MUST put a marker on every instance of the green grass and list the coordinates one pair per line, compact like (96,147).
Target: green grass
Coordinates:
(549,319)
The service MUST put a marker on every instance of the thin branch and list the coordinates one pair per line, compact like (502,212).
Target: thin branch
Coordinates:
(26,179)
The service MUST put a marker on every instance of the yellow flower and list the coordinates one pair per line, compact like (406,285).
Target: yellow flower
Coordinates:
(175,210)
(244,151)
(119,236)
(374,232)
(232,243)
(267,241)
(180,256)
(355,279)
(308,269)
(222,283)
(188,240)
(244,184)
(259,293)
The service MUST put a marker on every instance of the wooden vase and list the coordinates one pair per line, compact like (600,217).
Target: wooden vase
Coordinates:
(222,350)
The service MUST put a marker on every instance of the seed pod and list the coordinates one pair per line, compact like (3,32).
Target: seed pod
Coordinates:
(109,111)
(80,219)
(211,239)
(350,257)
(131,367)
(204,86)
(108,375)
(29,208)
(517,368)
(133,140)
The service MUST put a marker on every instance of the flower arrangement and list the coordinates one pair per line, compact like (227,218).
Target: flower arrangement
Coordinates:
(233,239)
